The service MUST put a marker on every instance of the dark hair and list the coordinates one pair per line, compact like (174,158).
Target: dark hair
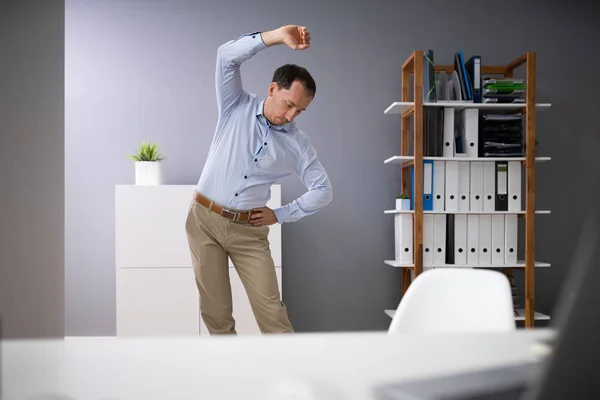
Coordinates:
(288,73)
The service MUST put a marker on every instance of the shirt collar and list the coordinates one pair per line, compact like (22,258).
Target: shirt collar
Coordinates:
(259,113)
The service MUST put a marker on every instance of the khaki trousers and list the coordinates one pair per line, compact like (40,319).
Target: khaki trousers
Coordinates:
(212,239)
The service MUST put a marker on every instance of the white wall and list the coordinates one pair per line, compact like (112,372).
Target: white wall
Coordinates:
(32,168)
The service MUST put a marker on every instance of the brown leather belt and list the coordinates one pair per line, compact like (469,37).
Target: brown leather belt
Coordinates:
(238,216)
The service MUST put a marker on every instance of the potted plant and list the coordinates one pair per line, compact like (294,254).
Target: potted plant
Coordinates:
(402,202)
(148,165)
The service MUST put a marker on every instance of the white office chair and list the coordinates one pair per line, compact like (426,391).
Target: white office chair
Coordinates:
(455,300)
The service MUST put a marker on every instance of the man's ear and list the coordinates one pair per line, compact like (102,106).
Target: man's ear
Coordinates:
(272,88)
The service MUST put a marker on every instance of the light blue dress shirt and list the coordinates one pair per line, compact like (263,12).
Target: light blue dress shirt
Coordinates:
(247,154)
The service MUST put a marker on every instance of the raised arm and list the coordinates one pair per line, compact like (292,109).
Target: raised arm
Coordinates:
(228,79)
(232,54)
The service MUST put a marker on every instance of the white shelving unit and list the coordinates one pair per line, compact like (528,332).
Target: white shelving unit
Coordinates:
(413,108)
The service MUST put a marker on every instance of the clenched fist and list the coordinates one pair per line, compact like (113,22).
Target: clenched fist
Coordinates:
(296,37)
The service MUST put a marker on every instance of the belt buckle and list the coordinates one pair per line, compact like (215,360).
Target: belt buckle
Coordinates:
(232,216)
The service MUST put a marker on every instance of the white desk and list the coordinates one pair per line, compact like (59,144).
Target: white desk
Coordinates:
(246,367)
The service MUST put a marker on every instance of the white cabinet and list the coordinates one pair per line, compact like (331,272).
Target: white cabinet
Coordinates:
(157,301)
(156,291)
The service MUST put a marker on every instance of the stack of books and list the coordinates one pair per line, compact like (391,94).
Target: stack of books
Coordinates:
(501,135)
(506,90)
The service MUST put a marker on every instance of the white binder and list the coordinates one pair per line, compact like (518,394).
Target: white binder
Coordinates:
(511,232)
(460,238)
(489,186)
(451,192)
(470,124)
(448,132)
(428,232)
(497,239)
(403,230)
(485,239)
(476,186)
(463,185)
(472,239)
(439,182)
(514,186)
(439,239)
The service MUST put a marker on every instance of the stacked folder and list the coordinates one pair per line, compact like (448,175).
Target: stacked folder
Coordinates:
(505,90)
(461,183)
(501,135)
(450,133)
(454,236)
(462,84)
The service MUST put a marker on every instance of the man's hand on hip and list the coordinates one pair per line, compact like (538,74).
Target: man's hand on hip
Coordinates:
(294,36)
(263,216)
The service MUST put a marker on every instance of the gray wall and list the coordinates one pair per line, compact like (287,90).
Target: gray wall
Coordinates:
(144,70)
(32,168)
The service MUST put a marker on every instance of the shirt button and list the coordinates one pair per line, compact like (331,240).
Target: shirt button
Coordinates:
(236,194)
(265,143)
(245,176)
(253,36)
(256,159)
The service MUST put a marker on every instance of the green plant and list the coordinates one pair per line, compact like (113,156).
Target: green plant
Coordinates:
(147,152)
(402,196)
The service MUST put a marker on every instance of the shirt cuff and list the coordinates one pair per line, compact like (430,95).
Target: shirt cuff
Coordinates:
(282,214)
(255,37)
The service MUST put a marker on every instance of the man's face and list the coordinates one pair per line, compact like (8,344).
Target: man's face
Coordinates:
(287,104)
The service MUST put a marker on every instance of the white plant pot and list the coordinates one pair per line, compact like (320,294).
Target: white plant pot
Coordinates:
(149,173)
(402,204)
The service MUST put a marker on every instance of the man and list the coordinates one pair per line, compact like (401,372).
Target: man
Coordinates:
(256,143)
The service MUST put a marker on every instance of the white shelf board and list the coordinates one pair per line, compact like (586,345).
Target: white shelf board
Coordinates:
(403,159)
(464,212)
(399,107)
(538,316)
(519,264)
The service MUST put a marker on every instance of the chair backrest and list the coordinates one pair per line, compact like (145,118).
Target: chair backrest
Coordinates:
(455,300)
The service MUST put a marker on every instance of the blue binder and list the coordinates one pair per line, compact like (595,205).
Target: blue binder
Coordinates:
(473,66)
(427,192)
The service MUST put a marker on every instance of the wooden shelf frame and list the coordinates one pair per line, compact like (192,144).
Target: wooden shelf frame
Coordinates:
(414,66)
